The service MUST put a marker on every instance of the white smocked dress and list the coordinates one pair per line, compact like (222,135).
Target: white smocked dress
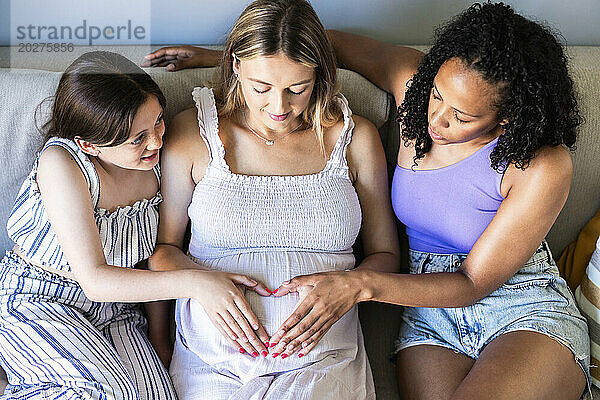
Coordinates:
(270,228)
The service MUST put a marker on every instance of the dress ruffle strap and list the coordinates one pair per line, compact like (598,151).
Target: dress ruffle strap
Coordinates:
(208,121)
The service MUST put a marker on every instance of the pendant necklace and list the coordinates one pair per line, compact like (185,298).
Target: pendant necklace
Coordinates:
(270,142)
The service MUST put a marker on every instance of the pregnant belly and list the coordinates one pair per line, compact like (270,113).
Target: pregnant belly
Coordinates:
(198,333)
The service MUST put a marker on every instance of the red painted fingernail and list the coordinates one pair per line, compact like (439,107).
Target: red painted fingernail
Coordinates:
(255,354)
(241,350)
(275,291)
(275,355)
(267,344)
(272,344)
(283,355)
(264,353)
(300,355)
(269,291)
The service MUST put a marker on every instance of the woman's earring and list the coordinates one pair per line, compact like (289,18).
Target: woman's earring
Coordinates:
(236,63)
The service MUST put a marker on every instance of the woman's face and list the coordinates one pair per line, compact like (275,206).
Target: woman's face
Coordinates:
(461,106)
(276,90)
(140,151)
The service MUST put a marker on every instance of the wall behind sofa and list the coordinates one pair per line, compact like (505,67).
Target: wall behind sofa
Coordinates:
(394,21)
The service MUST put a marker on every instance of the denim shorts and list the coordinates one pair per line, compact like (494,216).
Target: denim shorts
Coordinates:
(535,299)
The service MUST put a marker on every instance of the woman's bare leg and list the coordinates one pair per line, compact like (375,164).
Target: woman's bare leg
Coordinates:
(523,365)
(431,372)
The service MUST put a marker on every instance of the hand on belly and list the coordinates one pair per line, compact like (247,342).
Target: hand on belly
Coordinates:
(205,340)
(272,311)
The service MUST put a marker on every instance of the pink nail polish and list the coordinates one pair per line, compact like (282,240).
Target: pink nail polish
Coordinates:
(300,355)
(255,354)
(241,350)
(275,355)
(283,355)
(275,291)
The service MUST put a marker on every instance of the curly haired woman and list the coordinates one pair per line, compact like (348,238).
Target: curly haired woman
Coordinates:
(481,177)
(483,173)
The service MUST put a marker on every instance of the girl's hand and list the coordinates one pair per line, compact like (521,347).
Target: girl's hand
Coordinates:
(230,313)
(324,299)
(182,57)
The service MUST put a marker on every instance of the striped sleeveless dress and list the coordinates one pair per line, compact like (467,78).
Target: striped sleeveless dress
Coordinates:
(54,341)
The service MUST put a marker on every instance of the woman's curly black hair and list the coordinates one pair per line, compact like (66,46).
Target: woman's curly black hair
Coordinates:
(527,62)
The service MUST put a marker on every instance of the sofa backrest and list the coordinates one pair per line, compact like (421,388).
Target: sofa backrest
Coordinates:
(584,197)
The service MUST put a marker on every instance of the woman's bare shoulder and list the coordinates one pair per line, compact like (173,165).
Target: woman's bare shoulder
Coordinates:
(550,169)
(184,146)
(364,130)
(365,149)
(183,135)
(184,126)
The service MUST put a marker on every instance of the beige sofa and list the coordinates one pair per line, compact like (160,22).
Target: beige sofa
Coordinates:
(34,77)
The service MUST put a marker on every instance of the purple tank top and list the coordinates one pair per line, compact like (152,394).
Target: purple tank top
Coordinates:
(445,210)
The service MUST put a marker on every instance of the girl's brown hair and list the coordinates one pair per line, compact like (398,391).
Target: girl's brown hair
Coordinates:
(97,98)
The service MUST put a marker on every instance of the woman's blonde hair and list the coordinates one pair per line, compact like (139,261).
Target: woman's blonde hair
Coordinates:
(290,27)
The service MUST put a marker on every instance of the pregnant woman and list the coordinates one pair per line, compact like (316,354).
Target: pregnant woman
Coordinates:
(277,178)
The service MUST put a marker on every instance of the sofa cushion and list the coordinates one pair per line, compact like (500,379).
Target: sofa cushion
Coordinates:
(574,260)
(588,299)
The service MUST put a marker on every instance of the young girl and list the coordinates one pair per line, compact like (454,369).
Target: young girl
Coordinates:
(84,217)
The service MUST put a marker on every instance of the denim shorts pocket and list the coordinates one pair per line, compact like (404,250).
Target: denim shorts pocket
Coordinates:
(524,282)
(545,288)
(559,286)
